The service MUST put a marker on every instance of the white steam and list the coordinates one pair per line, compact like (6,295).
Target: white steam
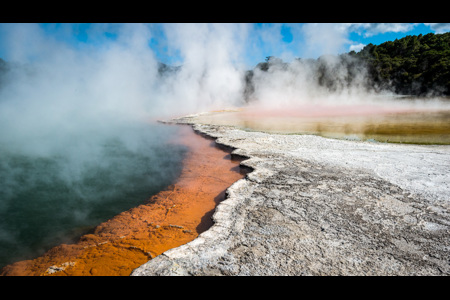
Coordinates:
(60,90)
(211,75)
(63,88)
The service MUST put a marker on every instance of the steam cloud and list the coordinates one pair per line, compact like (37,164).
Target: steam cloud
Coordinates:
(58,89)
(102,81)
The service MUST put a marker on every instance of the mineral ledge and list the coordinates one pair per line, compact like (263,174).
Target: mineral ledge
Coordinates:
(318,206)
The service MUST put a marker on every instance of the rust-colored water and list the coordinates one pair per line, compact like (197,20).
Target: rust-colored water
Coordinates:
(169,219)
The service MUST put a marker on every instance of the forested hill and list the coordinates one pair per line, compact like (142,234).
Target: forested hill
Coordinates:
(416,65)
(413,65)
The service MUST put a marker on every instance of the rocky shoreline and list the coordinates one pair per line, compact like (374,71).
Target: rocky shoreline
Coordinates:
(317,206)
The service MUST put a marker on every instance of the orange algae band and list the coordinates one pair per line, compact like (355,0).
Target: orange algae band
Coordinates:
(169,219)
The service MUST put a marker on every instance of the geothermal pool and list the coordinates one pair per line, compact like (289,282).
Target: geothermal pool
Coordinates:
(399,123)
(174,216)
(54,196)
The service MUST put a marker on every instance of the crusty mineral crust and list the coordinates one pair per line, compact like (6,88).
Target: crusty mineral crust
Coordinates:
(317,206)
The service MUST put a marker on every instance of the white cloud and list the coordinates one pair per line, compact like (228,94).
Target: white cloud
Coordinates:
(439,27)
(371,29)
(356,47)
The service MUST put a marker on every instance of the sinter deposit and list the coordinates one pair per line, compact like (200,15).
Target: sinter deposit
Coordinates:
(318,206)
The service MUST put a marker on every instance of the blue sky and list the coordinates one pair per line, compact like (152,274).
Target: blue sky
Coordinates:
(397,34)
(287,41)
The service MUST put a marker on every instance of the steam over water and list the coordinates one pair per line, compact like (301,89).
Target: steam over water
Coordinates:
(49,199)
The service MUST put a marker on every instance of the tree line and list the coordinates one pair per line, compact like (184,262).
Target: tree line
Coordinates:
(417,65)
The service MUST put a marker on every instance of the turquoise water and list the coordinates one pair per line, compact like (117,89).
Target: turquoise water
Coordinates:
(52,197)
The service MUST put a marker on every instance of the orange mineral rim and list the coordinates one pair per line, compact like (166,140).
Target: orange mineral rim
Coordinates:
(171,218)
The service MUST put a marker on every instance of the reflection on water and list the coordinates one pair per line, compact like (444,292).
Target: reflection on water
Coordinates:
(395,124)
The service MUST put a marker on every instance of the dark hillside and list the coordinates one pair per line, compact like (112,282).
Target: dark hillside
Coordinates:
(413,65)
